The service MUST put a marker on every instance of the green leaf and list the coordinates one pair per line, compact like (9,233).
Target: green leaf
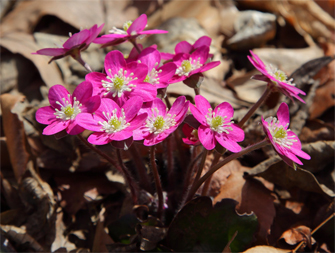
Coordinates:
(200,227)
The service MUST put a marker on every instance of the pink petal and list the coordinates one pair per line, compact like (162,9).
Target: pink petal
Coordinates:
(161,107)
(202,104)
(198,115)
(202,41)
(224,109)
(107,105)
(283,115)
(210,65)
(146,91)
(206,137)
(89,122)
(73,128)
(227,143)
(138,69)
(201,53)
(57,93)
(45,115)
(55,127)
(83,91)
(183,47)
(167,71)
(178,105)
(99,138)
(132,107)
(94,32)
(52,51)
(95,78)
(150,56)
(137,122)
(109,38)
(138,25)
(154,31)
(76,39)
(114,61)
(166,56)
(237,134)
(258,60)
(92,104)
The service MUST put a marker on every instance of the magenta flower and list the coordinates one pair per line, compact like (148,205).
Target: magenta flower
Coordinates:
(161,122)
(191,134)
(194,63)
(216,126)
(122,81)
(285,142)
(275,78)
(74,45)
(187,48)
(65,108)
(112,122)
(157,76)
(130,31)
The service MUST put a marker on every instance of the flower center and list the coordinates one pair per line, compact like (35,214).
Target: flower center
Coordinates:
(67,110)
(194,134)
(279,133)
(146,79)
(126,25)
(217,123)
(157,123)
(279,75)
(119,83)
(187,66)
(114,123)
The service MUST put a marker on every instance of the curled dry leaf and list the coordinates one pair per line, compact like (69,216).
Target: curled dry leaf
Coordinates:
(24,44)
(15,135)
(298,234)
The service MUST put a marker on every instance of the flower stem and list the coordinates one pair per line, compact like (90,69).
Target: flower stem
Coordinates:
(314,230)
(244,151)
(142,170)
(134,189)
(135,45)
(170,163)
(84,64)
(197,176)
(252,110)
(197,91)
(208,181)
(132,184)
(157,182)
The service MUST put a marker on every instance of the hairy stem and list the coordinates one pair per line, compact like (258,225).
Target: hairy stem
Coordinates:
(208,181)
(157,182)
(252,110)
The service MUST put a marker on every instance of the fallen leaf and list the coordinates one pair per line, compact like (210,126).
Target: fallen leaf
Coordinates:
(265,249)
(15,135)
(298,234)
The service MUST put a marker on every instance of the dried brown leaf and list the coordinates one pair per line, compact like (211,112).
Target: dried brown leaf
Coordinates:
(24,44)
(298,234)
(265,249)
(15,135)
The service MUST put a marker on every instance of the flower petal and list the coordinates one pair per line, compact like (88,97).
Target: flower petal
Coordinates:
(91,105)
(206,137)
(202,41)
(131,107)
(73,128)
(45,115)
(99,138)
(138,25)
(83,91)
(55,127)
(283,115)
(56,94)
(183,47)
(224,109)
(89,121)
(202,104)
(198,115)
(52,51)
(76,39)
(227,143)
(114,61)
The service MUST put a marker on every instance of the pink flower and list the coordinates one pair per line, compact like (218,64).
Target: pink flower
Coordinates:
(157,76)
(194,63)
(187,48)
(161,122)
(275,78)
(65,108)
(122,80)
(130,31)
(285,142)
(216,126)
(112,122)
(191,134)
(74,45)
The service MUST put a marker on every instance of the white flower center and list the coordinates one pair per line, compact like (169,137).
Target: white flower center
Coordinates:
(279,133)
(119,83)
(157,124)
(68,111)
(187,66)
(114,124)
(152,76)
(218,123)
(279,75)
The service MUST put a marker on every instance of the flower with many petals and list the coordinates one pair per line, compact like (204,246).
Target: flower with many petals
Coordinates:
(285,142)
(122,81)
(112,122)
(186,48)
(65,108)
(74,45)
(191,134)
(216,126)
(161,122)
(157,75)
(276,78)
(194,63)
(129,31)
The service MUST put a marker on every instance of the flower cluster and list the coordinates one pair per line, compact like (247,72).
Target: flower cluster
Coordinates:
(122,104)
